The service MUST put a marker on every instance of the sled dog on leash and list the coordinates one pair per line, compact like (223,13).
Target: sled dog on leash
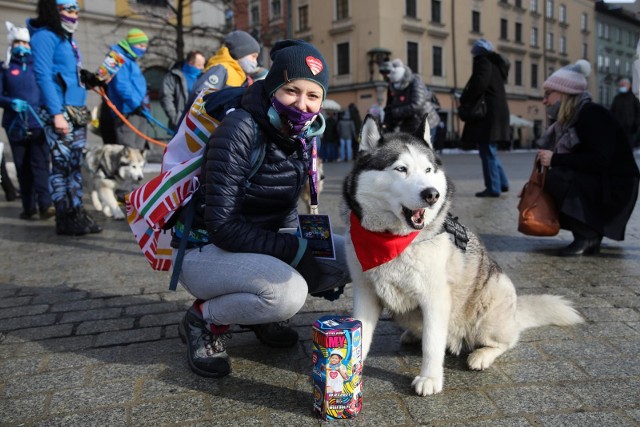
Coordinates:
(406,253)
(113,167)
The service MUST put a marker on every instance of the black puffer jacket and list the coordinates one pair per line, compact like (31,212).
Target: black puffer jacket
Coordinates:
(244,215)
(490,71)
(406,104)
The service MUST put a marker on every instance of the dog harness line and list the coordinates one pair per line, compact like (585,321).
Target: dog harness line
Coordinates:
(374,248)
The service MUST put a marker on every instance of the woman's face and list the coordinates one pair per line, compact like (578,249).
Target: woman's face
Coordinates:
(305,95)
(17,43)
(69,10)
(551,97)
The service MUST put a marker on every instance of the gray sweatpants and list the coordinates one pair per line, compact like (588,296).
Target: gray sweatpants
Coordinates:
(251,289)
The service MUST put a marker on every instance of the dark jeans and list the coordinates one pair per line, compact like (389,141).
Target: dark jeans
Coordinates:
(31,156)
(495,179)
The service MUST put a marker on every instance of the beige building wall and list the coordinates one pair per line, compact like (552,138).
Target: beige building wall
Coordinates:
(385,24)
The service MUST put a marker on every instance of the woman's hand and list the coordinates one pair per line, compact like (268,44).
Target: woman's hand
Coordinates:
(60,125)
(544,157)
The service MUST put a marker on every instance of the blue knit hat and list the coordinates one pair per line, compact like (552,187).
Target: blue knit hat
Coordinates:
(296,59)
(481,46)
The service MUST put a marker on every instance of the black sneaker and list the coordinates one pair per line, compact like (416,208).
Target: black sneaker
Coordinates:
(206,351)
(277,334)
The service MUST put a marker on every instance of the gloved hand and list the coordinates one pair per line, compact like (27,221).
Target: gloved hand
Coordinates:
(90,79)
(309,270)
(19,105)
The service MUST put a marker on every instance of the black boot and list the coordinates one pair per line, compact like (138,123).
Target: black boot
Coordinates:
(88,221)
(581,246)
(276,334)
(67,223)
(206,350)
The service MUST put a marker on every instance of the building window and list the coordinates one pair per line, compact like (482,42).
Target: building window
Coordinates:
(276,9)
(563,44)
(534,75)
(549,43)
(533,6)
(562,14)
(343,59)
(436,61)
(435,11)
(600,62)
(504,33)
(412,56)
(549,9)
(518,73)
(303,18)
(342,9)
(518,4)
(534,37)
(157,3)
(411,8)
(475,21)
(606,34)
(584,25)
(585,51)
(518,35)
(600,30)
(254,13)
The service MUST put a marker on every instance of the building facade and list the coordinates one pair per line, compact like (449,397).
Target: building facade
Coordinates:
(434,38)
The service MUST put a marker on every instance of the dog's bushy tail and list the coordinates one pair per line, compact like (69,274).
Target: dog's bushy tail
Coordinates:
(541,310)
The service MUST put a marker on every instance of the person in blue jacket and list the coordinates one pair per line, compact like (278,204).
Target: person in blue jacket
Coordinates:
(19,97)
(58,66)
(128,90)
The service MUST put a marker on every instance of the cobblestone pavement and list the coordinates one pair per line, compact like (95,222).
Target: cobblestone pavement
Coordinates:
(89,335)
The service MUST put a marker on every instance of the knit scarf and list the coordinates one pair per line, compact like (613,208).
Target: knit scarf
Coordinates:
(376,248)
(562,137)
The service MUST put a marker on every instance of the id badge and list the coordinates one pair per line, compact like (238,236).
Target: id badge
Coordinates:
(317,230)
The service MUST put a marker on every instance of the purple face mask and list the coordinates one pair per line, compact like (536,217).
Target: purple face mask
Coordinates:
(295,120)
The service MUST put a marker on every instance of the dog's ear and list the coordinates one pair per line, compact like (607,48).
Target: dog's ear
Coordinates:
(371,134)
(424,132)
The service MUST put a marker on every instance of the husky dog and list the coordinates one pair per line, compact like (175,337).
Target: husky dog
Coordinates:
(408,255)
(113,167)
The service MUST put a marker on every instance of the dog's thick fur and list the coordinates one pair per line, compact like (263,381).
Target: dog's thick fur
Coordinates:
(112,167)
(443,295)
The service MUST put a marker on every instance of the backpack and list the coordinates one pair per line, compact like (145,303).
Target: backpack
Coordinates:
(152,206)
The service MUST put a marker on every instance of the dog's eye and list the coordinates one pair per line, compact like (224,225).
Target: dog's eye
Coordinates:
(401,169)
(427,170)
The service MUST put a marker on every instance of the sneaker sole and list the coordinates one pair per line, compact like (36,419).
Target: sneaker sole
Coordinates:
(183,336)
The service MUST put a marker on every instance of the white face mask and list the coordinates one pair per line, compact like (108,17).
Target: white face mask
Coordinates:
(396,74)
(248,64)
(69,24)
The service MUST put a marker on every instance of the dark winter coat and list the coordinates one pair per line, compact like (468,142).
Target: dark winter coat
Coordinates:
(626,108)
(597,182)
(240,214)
(407,105)
(490,71)
(174,94)
(18,81)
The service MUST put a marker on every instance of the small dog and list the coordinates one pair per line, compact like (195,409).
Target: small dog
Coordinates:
(113,167)
(435,277)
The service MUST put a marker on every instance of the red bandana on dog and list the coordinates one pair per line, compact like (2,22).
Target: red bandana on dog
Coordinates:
(375,248)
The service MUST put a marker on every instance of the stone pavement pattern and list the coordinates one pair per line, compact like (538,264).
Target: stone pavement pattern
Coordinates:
(89,335)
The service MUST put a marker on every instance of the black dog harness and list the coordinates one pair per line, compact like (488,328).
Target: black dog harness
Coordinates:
(457,230)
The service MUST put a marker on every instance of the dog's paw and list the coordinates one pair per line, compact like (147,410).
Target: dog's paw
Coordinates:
(409,338)
(481,359)
(427,385)
(118,214)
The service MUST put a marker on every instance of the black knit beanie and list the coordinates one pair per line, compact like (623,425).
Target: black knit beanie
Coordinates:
(296,59)
(241,44)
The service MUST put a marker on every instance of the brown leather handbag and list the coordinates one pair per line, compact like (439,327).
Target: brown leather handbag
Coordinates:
(538,215)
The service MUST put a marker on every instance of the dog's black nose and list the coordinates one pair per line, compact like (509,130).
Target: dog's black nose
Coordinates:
(430,195)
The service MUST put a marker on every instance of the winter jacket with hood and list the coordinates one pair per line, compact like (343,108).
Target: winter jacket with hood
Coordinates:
(626,108)
(18,80)
(56,63)
(128,88)
(174,94)
(406,103)
(490,71)
(244,215)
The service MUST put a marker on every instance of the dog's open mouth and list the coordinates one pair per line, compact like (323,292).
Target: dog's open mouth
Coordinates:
(415,218)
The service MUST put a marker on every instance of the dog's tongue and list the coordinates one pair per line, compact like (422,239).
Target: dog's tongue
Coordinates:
(418,216)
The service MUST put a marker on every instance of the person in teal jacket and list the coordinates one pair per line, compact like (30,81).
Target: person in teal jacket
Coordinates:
(128,90)
(58,66)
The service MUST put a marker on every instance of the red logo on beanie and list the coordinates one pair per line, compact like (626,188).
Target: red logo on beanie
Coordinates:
(314,64)
(15,72)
